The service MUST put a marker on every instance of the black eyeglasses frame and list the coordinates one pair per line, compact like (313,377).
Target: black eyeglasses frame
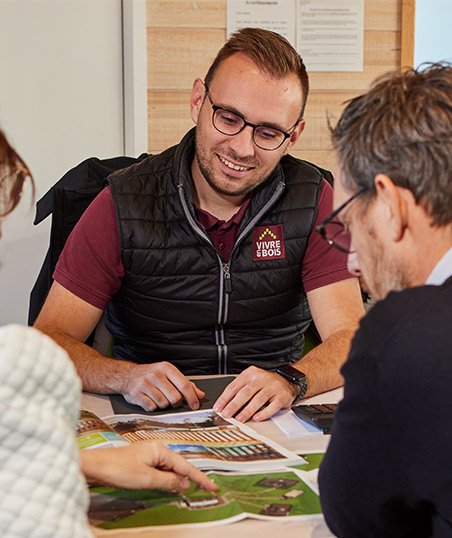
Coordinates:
(286,134)
(321,228)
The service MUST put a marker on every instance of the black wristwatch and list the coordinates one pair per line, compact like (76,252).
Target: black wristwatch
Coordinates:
(295,377)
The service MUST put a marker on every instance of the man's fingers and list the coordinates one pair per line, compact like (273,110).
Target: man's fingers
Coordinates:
(242,397)
(228,394)
(199,393)
(237,404)
(163,384)
(159,394)
(269,410)
(142,400)
(186,388)
(254,405)
(252,390)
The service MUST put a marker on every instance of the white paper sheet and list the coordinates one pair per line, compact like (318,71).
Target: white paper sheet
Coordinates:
(290,424)
(275,15)
(330,34)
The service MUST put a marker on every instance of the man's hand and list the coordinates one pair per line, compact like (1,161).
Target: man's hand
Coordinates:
(69,320)
(143,465)
(159,385)
(253,389)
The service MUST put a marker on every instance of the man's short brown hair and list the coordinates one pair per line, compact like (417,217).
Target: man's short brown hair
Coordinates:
(271,52)
(402,127)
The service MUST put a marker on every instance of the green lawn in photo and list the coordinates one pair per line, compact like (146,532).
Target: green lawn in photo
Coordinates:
(282,493)
(314,461)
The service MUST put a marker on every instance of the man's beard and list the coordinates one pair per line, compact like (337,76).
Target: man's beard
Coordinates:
(204,160)
(209,176)
(385,274)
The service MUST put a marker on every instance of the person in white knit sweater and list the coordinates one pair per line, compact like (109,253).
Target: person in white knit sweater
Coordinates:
(42,488)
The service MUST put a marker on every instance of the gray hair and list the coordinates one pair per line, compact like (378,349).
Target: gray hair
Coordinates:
(402,127)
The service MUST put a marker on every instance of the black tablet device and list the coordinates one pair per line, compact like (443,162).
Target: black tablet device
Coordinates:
(212,386)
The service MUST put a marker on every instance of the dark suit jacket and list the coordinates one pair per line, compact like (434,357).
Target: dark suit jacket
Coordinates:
(388,468)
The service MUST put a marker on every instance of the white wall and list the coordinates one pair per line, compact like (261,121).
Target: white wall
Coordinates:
(433,36)
(61,101)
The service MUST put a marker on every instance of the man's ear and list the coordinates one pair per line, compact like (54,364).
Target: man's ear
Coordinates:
(295,135)
(394,205)
(198,93)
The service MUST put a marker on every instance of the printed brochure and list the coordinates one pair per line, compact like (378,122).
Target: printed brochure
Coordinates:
(269,496)
(206,439)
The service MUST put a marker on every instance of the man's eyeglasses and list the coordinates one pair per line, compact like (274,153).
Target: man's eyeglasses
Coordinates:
(332,229)
(230,123)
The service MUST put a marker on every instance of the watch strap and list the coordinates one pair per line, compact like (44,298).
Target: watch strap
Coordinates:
(296,377)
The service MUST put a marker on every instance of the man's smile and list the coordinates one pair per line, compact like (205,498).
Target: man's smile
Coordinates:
(233,166)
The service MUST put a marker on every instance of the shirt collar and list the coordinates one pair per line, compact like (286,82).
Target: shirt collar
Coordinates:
(209,221)
(442,270)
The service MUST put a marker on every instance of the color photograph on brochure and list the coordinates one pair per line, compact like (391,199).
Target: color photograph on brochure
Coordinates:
(269,496)
(204,438)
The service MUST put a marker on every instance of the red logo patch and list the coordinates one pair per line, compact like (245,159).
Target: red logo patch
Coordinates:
(268,243)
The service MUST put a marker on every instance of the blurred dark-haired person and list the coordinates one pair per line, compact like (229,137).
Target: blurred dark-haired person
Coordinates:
(43,492)
(204,256)
(388,468)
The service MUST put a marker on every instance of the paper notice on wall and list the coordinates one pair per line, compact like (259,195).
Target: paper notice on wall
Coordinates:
(330,34)
(276,15)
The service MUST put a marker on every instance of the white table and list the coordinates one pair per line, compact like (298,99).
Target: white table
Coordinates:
(315,527)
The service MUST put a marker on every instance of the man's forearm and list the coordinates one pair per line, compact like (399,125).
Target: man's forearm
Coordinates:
(99,374)
(322,364)
(151,386)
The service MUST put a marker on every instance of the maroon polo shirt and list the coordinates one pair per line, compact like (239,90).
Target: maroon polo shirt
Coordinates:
(91,266)
(222,233)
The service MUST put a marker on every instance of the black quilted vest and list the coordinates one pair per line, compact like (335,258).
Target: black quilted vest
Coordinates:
(178,301)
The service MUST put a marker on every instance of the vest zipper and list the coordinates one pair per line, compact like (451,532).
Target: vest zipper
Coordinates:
(227,266)
(227,278)
(227,293)
(225,287)
(219,327)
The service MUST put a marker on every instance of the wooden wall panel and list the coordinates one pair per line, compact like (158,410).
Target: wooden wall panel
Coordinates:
(169,118)
(407,33)
(184,37)
(180,55)
(382,15)
(187,13)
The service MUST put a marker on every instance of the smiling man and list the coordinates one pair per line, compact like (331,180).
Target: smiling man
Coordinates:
(388,468)
(203,256)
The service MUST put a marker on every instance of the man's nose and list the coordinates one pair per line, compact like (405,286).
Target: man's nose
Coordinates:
(353,264)
(243,143)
